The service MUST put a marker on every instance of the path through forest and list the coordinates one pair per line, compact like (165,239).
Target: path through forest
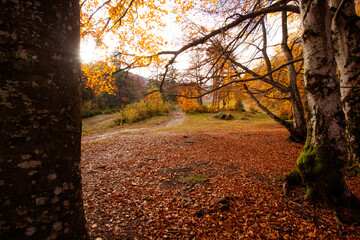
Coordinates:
(221,182)
(177,117)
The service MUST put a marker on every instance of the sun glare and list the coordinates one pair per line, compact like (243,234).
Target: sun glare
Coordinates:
(87,50)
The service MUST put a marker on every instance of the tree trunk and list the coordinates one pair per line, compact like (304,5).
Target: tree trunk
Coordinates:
(298,129)
(40,124)
(322,162)
(299,123)
(346,30)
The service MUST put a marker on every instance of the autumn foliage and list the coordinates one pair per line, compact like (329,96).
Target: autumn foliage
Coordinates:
(152,105)
(98,76)
(187,103)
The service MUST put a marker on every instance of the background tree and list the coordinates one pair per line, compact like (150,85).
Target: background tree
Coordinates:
(127,88)
(277,85)
(40,124)
(187,97)
(226,63)
(170,89)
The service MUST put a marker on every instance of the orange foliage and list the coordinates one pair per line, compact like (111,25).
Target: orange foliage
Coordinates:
(97,76)
(132,24)
(274,99)
(187,103)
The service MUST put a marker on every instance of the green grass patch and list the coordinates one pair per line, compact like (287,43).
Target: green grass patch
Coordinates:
(197,178)
(98,123)
(201,122)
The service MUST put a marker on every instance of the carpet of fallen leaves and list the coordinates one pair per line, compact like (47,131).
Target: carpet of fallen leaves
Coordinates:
(134,188)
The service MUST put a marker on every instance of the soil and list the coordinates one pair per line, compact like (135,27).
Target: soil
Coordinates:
(140,184)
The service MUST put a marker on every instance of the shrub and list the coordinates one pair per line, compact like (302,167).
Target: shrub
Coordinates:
(151,106)
(109,111)
(85,113)
(239,105)
(200,109)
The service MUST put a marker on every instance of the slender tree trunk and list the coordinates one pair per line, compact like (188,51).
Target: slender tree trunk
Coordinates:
(322,163)
(346,30)
(40,124)
(298,129)
(299,122)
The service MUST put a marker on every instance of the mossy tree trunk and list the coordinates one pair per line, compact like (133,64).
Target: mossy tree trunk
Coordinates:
(346,31)
(40,124)
(322,162)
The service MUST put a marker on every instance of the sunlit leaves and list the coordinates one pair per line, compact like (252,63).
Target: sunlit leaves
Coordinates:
(128,30)
(98,76)
(189,104)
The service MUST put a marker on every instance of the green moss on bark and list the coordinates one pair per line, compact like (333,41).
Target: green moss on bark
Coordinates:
(320,169)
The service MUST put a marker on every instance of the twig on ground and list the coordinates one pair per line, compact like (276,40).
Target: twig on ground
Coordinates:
(137,205)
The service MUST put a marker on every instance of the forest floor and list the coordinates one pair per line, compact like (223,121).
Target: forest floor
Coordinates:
(202,178)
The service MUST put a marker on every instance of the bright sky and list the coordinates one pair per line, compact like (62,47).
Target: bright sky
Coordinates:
(87,51)
(172,34)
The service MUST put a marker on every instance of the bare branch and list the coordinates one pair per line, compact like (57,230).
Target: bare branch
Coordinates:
(105,3)
(240,19)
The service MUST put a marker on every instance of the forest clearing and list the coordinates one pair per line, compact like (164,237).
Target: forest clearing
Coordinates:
(94,145)
(203,179)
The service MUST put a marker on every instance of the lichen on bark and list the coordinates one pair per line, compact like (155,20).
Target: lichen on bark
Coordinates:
(346,34)
(40,124)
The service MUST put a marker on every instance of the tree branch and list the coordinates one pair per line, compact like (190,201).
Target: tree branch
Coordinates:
(240,19)
(287,125)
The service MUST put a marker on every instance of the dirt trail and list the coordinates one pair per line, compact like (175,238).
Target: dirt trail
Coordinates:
(177,117)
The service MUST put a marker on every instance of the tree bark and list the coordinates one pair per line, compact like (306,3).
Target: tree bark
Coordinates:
(346,32)
(40,123)
(322,163)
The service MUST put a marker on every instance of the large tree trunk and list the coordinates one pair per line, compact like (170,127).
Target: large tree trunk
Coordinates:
(322,162)
(346,30)
(299,123)
(40,124)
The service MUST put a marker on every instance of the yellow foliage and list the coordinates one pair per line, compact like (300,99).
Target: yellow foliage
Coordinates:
(152,105)
(133,23)
(98,76)
(189,104)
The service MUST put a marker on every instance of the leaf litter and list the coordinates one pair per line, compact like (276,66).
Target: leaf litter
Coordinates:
(202,185)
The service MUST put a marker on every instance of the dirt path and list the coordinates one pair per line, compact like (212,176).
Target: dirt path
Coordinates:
(177,117)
